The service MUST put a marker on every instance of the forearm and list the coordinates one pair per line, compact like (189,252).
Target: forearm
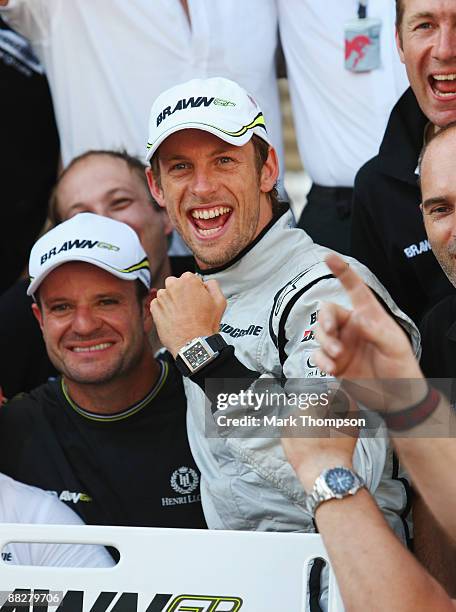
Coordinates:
(433,548)
(428,461)
(374,571)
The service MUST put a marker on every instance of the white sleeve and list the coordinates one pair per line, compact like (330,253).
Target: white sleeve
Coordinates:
(33,505)
(68,555)
(31,18)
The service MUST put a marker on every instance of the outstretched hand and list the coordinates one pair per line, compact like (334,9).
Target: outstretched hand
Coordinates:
(363,343)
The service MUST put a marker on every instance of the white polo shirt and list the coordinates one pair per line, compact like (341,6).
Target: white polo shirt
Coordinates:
(20,503)
(339,116)
(106,60)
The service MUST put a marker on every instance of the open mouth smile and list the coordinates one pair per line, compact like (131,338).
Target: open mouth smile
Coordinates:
(443,85)
(210,222)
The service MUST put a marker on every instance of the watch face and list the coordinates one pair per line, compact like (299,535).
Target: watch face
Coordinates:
(339,480)
(196,355)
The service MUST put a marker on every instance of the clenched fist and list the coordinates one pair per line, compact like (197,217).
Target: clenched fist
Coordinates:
(187,308)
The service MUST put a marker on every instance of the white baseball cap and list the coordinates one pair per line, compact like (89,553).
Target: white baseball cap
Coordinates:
(101,241)
(215,105)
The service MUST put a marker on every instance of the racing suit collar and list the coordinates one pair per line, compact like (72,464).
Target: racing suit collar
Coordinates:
(264,231)
(269,252)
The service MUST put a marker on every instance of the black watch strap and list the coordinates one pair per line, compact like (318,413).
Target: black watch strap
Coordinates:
(216,342)
(182,366)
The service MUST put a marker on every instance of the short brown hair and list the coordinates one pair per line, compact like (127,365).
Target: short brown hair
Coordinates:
(399,13)
(133,163)
(261,148)
(261,151)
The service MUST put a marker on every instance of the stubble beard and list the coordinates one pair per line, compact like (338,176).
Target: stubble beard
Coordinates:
(447,260)
(217,257)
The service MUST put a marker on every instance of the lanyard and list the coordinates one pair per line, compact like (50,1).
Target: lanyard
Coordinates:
(362,9)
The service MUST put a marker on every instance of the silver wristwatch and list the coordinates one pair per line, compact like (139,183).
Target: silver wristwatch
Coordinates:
(334,483)
(198,353)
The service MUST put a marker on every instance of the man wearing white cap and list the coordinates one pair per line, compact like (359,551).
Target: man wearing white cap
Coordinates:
(109,436)
(213,168)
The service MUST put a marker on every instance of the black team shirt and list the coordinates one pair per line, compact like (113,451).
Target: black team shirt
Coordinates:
(133,468)
(438,339)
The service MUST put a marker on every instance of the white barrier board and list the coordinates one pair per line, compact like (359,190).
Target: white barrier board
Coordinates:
(170,570)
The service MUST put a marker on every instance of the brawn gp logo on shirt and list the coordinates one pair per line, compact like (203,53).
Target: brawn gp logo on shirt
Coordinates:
(417,249)
(71,496)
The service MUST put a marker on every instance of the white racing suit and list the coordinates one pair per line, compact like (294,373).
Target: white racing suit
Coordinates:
(274,289)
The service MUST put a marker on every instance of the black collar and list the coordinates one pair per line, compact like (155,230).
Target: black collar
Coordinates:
(403,140)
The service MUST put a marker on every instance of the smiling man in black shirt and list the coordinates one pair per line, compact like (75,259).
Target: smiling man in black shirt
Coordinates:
(388,234)
(109,435)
